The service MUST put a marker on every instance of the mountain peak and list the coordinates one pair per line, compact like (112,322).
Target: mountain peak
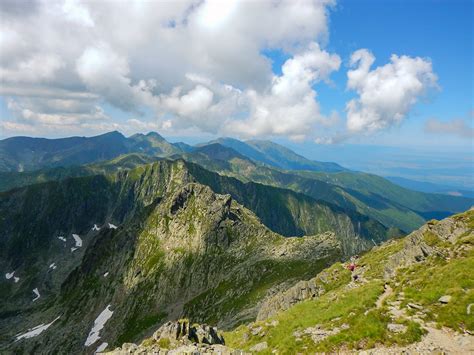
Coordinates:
(154,135)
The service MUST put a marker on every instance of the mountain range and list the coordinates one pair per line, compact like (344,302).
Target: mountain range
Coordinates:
(142,231)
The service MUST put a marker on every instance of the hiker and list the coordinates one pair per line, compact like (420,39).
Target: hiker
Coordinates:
(351,267)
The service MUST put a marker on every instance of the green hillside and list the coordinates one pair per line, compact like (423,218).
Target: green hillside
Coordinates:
(417,271)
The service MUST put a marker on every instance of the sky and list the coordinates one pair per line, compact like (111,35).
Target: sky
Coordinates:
(309,73)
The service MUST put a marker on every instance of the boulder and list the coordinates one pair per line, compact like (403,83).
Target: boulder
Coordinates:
(396,328)
(445,299)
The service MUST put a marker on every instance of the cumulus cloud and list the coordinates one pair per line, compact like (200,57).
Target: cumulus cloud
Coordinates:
(73,53)
(106,73)
(456,127)
(196,101)
(387,93)
(287,106)
(37,68)
(29,116)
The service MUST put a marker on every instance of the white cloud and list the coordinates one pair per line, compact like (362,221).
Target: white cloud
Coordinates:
(75,12)
(106,73)
(37,68)
(386,93)
(288,106)
(25,114)
(196,101)
(135,56)
(457,127)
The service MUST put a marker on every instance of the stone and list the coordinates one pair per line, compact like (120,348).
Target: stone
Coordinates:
(259,347)
(256,331)
(396,328)
(414,306)
(445,299)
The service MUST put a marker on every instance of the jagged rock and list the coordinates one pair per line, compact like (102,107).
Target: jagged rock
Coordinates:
(396,328)
(259,347)
(181,338)
(182,332)
(256,331)
(414,306)
(416,248)
(445,299)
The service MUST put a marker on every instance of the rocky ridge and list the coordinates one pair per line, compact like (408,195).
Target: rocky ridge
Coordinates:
(176,249)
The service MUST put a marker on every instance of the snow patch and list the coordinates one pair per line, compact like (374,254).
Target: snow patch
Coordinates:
(52,266)
(72,249)
(106,274)
(62,238)
(36,292)
(112,226)
(95,228)
(35,331)
(101,347)
(16,279)
(8,275)
(99,323)
(78,240)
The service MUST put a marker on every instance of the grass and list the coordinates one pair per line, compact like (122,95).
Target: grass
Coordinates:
(448,271)
(375,259)
(354,307)
(425,284)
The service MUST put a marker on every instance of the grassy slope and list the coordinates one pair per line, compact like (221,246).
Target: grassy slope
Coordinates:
(448,271)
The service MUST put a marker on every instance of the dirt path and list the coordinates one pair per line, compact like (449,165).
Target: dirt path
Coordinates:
(388,291)
(435,340)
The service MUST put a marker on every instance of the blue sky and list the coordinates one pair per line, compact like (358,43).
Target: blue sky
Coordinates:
(439,30)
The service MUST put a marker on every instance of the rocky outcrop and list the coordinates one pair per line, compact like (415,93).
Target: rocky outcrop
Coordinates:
(183,332)
(180,337)
(423,242)
(303,290)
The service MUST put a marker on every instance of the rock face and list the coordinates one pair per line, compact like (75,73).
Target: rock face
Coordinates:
(184,333)
(303,290)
